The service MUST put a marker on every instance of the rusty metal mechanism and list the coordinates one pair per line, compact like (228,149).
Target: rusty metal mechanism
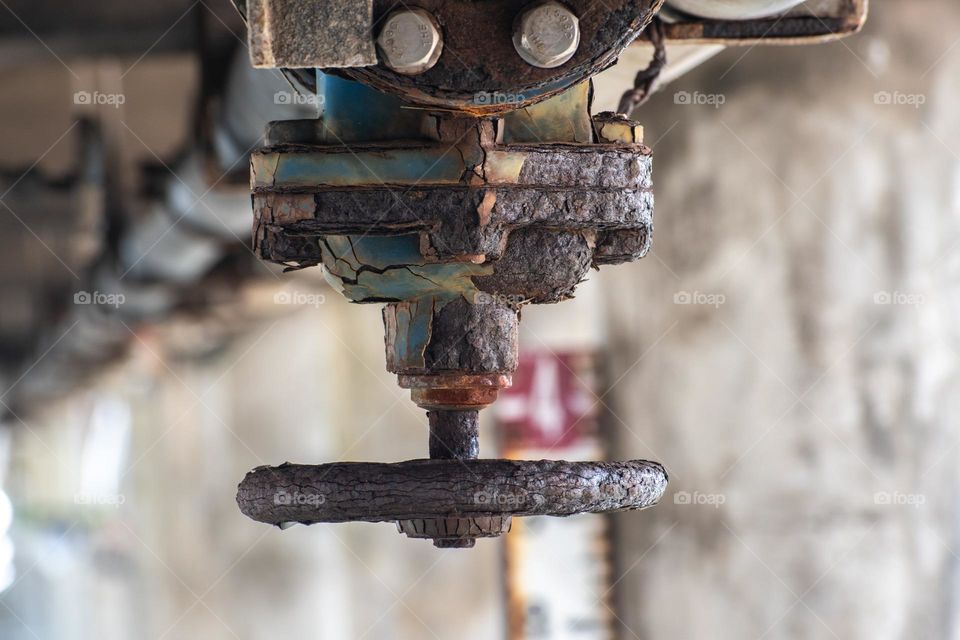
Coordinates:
(454,193)
(455,175)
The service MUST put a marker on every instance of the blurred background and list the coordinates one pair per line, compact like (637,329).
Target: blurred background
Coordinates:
(788,351)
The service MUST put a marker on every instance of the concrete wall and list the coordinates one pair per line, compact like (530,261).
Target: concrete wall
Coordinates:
(805,403)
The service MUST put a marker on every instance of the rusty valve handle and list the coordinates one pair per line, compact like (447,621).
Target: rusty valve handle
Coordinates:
(453,498)
(429,489)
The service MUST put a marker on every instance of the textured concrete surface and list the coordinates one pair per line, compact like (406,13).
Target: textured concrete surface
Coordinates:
(789,350)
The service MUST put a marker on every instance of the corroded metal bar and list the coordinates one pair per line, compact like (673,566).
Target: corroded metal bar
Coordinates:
(287,225)
(454,435)
(288,169)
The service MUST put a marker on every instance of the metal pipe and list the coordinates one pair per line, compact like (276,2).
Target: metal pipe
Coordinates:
(734,9)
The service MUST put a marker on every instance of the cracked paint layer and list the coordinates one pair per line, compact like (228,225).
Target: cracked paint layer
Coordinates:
(391,268)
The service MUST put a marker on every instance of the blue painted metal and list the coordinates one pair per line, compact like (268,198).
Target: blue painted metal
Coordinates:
(355,167)
(411,332)
(353,112)
(379,268)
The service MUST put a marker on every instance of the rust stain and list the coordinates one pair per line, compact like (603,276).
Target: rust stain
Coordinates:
(263,169)
(486,207)
(288,208)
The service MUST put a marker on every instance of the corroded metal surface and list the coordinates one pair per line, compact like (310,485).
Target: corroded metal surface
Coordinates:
(481,34)
(614,128)
(455,533)
(455,391)
(339,35)
(587,166)
(451,353)
(310,33)
(454,435)
(463,202)
(428,489)
(810,23)
(562,118)
(455,225)
(288,226)
(429,336)
(391,268)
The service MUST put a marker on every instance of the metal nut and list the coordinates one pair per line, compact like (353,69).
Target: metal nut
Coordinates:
(547,35)
(410,41)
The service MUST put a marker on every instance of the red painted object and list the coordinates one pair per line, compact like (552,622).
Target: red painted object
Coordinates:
(552,404)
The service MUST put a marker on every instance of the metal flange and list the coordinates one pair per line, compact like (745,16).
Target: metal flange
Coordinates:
(463,204)
(480,60)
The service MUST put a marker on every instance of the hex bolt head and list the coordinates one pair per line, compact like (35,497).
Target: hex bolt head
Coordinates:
(547,34)
(410,41)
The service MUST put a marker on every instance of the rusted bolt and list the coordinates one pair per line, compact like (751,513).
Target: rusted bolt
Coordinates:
(410,41)
(547,34)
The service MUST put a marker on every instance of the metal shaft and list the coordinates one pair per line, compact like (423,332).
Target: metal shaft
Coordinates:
(454,435)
